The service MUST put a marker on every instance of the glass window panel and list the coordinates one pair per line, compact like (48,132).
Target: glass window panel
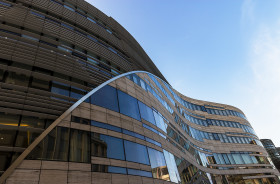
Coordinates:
(136,152)
(158,165)
(107,146)
(77,93)
(106,126)
(25,138)
(60,88)
(7,137)
(118,170)
(153,141)
(171,166)
(222,161)
(146,113)
(128,105)
(237,159)
(231,159)
(226,158)
(35,122)
(56,144)
(79,146)
(160,122)
(40,84)
(106,97)
(247,158)
(9,119)
(127,132)
(5,158)
(17,79)
(139,173)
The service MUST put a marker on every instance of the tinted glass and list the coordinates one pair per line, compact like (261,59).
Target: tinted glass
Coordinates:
(56,144)
(17,79)
(127,132)
(139,173)
(172,168)
(136,152)
(40,84)
(60,88)
(106,126)
(107,146)
(106,97)
(25,138)
(79,146)
(128,105)
(237,159)
(9,119)
(28,121)
(119,170)
(160,122)
(146,113)
(159,168)
(5,158)
(7,137)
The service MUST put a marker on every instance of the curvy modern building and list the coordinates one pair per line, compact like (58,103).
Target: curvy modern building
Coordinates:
(81,102)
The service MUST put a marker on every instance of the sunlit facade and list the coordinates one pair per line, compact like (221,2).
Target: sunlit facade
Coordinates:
(81,102)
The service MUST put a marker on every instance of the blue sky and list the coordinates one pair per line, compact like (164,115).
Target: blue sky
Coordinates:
(219,51)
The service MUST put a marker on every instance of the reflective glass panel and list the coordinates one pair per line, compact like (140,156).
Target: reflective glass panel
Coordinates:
(79,146)
(128,105)
(146,113)
(9,119)
(136,152)
(160,122)
(28,121)
(7,137)
(171,166)
(56,144)
(237,158)
(159,168)
(139,173)
(118,170)
(106,97)
(17,79)
(26,137)
(107,146)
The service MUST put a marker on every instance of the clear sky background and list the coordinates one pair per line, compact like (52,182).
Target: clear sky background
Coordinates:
(214,50)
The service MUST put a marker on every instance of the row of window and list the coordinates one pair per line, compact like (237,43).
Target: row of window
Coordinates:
(113,128)
(81,12)
(96,39)
(52,86)
(73,145)
(104,66)
(237,158)
(136,79)
(120,170)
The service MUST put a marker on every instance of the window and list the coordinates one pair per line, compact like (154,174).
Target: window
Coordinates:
(139,173)
(34,122)
(118,170)
(136,152)
(106,97)
(172,168)
(80,120)
(159,168)
(107,146)
(9,119)
(237,159)
(17,79)
(79,146)
(40,84)
(106,126)
(7,137)
(25,138)
(60,88)
(160,122)
(56,144)
(128,105)
(146,113)
(127,132)
(5,158)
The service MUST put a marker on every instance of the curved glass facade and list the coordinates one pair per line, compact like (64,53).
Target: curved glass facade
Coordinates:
(73,112)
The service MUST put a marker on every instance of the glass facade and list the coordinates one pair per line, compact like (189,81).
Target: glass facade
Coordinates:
(149,132)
